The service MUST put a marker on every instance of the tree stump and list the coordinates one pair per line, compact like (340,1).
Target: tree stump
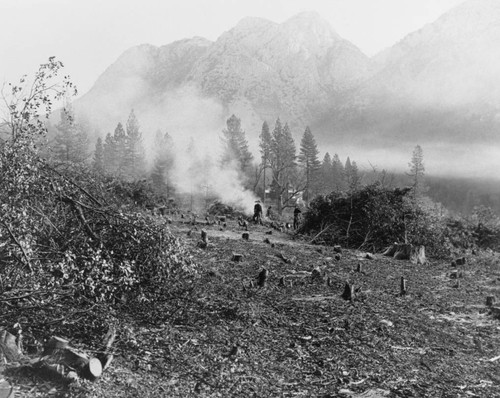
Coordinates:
(348,293)
(245,236)
(237,257)
(316,274)
(262,277)
(403,290)
(417,255)
(204,236)
(490,301)
(461,261)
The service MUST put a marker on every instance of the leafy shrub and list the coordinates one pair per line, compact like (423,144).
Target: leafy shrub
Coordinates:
(372,218)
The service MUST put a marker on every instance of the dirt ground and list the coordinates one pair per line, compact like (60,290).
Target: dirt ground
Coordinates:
(296,336)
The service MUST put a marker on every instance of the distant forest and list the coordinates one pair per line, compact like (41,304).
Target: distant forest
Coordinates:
(283,170)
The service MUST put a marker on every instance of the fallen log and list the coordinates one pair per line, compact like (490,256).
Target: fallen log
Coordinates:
(406,251)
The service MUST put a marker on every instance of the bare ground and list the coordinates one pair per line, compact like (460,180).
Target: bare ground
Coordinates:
(294,337)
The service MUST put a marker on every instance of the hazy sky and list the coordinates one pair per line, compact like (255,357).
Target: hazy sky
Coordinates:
(88,35)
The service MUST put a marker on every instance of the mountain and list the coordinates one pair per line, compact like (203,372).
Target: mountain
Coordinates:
(259,70)
(439,84)
(438,87)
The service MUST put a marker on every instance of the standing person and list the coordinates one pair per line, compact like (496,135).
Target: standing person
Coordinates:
(296,217)
(257,212)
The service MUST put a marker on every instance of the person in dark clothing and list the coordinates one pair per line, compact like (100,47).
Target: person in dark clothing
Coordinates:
(296,217)
(257,213)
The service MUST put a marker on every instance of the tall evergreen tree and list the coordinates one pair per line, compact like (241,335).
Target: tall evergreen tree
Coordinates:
(114,151)
(417,172)
(265,153)
(282,163)
(235,145)
(338,171)
(163,163)
(71,141)
(308,158)
(98,161)
(326,175)
(134,161)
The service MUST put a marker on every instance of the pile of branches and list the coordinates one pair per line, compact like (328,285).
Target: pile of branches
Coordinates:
(62,230)
(221,209)
(371,219)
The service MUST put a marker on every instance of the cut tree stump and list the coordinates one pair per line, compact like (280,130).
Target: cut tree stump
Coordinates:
(490,301)
(237,257)
(262,277)
(348,293)
(402,287)
(461,261)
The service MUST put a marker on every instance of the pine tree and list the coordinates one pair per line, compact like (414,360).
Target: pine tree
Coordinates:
(98,161)
(265,152)
(71,141)
(114,151)
(417,172)
(134,161)
(163,163)
(338,172)
(326,175)
(308,158)
(235,145)
(282,163)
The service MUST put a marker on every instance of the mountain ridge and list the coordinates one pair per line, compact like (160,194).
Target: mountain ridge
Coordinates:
(436,85)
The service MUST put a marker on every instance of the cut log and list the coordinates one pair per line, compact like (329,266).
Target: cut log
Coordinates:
(55,343)
(9,349)
(406,251)
(390,250)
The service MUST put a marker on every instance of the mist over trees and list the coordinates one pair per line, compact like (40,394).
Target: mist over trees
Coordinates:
(283,174)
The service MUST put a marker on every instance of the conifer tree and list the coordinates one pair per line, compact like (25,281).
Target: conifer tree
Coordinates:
(417,172)
(308,158)
(338,172)
(71,141)
(326,175)
(98,161)
(265,152)
(163,163)
(134,161)
(235,145)
(282,163)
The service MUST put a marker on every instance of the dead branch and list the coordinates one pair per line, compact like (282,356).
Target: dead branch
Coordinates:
(18,244)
